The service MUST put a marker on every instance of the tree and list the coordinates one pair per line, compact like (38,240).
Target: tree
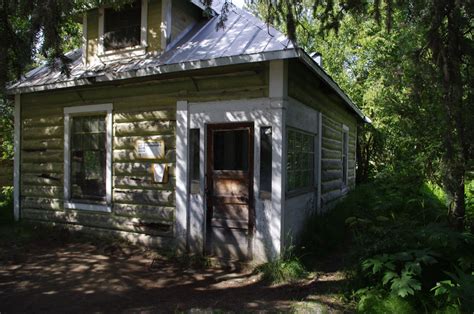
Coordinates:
(438,60)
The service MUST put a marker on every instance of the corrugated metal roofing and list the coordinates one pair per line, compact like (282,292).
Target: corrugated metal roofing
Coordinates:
(244,39)
(243,34)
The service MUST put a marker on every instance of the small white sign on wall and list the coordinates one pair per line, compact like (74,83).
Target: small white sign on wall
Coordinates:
(150,149)
(160,173)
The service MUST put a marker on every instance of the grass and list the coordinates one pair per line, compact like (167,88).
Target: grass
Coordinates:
(282,270)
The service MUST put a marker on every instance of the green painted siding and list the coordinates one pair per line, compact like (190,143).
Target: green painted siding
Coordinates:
(335,115)
(144,110)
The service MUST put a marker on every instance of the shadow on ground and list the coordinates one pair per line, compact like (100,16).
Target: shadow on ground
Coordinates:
(71,275)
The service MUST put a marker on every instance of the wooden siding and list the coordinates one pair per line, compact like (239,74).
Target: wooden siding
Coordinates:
(183,14)
(145,110)
(154,25)
(335,115)
(92,35)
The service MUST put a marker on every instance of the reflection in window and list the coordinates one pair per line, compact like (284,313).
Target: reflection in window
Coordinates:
(300,160)
(122,27)
(266,159)
(231,150)
(194,160)
(88,158)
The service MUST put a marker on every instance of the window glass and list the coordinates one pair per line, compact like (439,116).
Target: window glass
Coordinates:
(345,151)
(122,27)
(194,159)
(266,159)
(231,149)
(88,158)
(300,160)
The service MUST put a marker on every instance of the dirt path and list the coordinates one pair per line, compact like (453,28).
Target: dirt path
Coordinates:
(73,276)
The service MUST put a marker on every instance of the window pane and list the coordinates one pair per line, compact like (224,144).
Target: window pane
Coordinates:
(88,158)
(300,160)
(266,159)
(122,28)
(194,153)
(231,150)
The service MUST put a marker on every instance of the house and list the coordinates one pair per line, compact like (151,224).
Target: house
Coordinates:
(171,131)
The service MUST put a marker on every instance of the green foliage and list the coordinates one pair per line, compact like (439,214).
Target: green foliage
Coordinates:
(375,301)
(459,290)
(6,205)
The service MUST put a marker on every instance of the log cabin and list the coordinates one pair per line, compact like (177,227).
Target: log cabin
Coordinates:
(173,131)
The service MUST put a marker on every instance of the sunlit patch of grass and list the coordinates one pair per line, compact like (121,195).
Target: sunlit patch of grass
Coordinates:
(282,270)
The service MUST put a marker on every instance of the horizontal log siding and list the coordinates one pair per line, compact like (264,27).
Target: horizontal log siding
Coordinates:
(335,115)
(142,111)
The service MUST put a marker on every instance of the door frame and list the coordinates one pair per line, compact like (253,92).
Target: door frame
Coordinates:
(210,128)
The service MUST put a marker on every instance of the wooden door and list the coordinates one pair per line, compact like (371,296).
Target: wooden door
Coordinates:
(229,188)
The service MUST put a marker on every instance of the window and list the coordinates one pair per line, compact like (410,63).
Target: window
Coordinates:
(345,153)
(231,150)
(122,28)
(123,33)
(88,157)
(300,160)
(265,162)
(194,167)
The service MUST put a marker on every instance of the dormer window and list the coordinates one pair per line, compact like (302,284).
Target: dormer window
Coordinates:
(123,32)
(122,28)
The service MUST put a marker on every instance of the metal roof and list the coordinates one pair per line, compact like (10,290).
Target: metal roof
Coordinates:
(244,39)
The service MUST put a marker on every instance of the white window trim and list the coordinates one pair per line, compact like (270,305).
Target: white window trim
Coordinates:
(345,130)
(68,113)
(129,51)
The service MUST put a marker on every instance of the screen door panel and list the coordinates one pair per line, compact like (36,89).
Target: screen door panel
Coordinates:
(230,190)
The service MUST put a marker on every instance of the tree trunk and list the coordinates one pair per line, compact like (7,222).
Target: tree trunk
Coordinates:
(454,141)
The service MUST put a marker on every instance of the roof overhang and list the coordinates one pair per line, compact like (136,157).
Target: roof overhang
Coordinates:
(196,65)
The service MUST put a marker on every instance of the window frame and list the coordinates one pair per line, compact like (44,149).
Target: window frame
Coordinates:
(311,187)
(70,112)
(129,51)
(345,151)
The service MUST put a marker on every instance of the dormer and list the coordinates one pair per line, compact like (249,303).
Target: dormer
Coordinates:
(140,28)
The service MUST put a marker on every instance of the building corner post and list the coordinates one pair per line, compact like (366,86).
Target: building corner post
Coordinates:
(16,162)
(278,94)
(182,186)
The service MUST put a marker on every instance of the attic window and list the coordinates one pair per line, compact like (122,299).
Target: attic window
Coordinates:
(122,28)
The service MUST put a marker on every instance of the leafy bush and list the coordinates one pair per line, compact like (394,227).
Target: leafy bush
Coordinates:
(375,301)
(401,248)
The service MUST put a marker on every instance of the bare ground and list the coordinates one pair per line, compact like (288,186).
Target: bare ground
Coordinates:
(62,272)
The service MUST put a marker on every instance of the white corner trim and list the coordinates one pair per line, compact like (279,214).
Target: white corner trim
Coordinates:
(17,157)
(182,182)
(165,23)
(84,39)
(100,46)
(144,24)
(71,111)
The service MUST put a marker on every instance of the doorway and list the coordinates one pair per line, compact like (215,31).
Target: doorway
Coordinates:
(230,217)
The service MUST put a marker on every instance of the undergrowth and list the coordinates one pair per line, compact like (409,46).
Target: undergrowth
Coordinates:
(286,269)
(402,253)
